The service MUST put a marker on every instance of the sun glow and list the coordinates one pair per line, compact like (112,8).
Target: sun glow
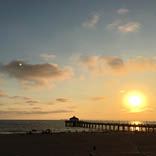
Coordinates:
(135,101)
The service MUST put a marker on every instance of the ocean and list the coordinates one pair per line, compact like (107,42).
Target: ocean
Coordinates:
(23,126)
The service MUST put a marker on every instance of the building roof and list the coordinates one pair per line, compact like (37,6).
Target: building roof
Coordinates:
(74,118)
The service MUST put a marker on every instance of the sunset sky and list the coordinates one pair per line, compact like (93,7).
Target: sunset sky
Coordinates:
(60,58)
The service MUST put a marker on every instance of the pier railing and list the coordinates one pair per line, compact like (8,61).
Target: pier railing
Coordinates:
(112,126)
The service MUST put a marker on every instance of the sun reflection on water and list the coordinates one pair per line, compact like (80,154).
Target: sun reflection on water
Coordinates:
(135,123)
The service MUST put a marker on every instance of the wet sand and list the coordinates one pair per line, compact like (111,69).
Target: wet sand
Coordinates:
(79,144)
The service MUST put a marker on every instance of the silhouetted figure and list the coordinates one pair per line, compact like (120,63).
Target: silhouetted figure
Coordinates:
(94,148)
(29,133)
(91,154)
(47,131)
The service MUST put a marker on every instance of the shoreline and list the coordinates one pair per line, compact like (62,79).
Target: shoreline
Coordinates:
(74,132)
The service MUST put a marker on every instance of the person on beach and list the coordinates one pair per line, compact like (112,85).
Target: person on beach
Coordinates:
(91,153)
(94,148)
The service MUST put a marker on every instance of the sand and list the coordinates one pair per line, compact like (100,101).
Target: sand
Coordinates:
(79,144)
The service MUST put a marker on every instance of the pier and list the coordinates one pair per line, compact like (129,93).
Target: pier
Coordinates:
(75,122)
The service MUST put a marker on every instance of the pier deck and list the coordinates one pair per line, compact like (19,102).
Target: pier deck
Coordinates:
(112,126)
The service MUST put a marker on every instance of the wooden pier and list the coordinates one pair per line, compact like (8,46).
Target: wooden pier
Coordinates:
(110,126)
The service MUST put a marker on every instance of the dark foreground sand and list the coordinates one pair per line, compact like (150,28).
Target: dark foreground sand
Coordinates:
(79,144)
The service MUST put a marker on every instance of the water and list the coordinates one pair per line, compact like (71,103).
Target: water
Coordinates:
(22,126)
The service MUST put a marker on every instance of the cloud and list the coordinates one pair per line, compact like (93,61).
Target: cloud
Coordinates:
(47,56)
(26,99)
(129,27)
(51,103)
(62,100)
(98,65)
(92,22)
(114,24)
(33,76)
(35,112)
(114,62)
(138,110)
(117,65)
(36,108)
(15,97)
(98,99)
(124,27)
(122,11)
(140,63)
(20,97)
(1,81)
(32,101)
(2,93)
(89,63)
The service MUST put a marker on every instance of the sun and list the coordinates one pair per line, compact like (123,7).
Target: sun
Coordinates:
(135,100)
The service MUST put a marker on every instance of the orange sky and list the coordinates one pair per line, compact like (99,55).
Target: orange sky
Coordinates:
(78,58)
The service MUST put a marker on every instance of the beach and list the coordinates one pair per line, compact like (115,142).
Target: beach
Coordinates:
(79,144)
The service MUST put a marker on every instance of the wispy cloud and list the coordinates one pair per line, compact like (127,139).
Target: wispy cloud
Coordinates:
(33,76)
(122,11)
(51,103)
(123,27)
(36,108)
(47,56)
(1,81)
(2,93)
(16,97)
(89,63)
(62,100)
(115,24)
(138,110)
(114,62)
(32,101)
(91,23)
(117,65)
(129,27)
(35,112)
(98,99)
(25,98)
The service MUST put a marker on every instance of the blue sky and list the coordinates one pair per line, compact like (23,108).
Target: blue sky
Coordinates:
(57,49)
(29,28)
